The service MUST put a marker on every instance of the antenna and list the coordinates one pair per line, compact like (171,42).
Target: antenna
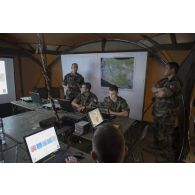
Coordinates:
(41,46)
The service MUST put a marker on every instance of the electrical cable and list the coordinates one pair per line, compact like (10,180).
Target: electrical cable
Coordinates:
(184,128)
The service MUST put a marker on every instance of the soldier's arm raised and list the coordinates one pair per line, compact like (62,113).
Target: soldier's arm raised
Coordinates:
(154,89)
(173,88)
(158,85)
(161,93)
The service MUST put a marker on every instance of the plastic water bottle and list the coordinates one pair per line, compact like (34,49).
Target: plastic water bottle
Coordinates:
(2,135)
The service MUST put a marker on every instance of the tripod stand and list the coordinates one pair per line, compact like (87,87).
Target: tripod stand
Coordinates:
(10,144)
(1,151)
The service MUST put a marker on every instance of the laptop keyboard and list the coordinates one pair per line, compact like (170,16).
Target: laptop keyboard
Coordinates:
(72,118)
(75,115)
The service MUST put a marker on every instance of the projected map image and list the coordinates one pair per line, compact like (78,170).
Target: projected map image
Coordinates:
(3,81)
(117,71)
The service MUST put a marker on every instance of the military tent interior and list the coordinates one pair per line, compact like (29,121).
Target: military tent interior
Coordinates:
(21,54)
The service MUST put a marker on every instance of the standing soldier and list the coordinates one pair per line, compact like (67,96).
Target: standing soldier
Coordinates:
(72,83)
(166,102)
(116,104)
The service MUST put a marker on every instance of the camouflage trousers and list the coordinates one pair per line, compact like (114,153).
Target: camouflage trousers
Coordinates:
(166,137)
(71,94)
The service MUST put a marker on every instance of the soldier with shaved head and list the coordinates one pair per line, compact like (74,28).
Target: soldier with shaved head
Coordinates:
(166,94)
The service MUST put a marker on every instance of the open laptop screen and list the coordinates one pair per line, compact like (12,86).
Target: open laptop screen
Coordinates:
(42,144)
(95,117)
(66,105)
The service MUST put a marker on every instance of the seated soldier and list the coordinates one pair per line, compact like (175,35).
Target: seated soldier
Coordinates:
(86,99)
(108,145)
(116,104)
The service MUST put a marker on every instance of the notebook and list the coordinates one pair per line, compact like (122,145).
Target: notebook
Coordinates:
(43,146)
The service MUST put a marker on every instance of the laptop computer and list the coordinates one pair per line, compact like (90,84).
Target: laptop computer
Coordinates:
(43,146)
(66,105)
(70,116)
(36,98)
(95,117)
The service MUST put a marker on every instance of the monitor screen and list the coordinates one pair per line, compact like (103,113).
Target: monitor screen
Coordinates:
(95,117)
(66,105)
(3,80)
(42,144)
(7,81)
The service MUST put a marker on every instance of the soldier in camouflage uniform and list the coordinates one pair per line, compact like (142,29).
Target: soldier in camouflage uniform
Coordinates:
(73,82)
(166,101)
(116,104)
(86,100)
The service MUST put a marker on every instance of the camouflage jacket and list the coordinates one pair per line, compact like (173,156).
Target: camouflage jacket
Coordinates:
(119,106)
(73,81)
(167,106)
(84,100)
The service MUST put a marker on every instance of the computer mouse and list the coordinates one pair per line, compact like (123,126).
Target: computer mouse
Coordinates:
(78,155)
